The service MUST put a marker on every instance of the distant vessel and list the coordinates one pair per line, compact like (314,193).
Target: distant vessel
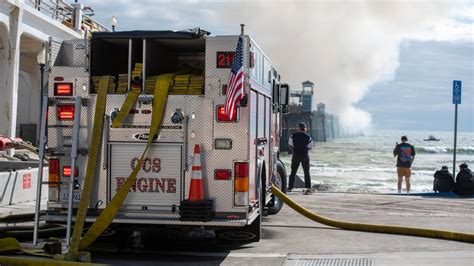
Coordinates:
(431,138)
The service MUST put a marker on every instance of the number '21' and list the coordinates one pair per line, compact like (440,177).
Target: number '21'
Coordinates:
(225,59)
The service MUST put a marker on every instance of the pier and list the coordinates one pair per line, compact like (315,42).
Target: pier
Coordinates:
(322,126)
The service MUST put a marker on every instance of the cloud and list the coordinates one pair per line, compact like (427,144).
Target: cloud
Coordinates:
(344,47)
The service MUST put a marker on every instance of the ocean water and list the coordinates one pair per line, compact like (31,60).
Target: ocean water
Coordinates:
(366,163)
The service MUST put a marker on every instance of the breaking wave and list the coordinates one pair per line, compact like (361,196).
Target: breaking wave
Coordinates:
(460,150)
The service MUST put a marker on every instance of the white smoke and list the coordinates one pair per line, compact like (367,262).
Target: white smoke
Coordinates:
(344,47)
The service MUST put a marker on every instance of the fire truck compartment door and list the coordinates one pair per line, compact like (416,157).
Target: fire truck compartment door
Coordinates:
(158,183)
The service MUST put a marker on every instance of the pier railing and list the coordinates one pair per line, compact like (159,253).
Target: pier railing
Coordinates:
(73,16)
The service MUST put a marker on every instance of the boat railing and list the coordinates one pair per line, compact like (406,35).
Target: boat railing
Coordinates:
(66,14)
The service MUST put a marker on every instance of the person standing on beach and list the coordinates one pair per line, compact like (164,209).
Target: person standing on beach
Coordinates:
(405,153)
(301,142)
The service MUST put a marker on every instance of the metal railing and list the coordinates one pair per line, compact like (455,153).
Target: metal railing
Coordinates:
(66,14)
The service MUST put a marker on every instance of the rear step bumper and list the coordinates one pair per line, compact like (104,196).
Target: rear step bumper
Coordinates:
(159,220)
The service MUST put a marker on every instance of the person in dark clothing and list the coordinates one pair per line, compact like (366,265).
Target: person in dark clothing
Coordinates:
(405,153)
(301,143)
(464,181)
(443,180)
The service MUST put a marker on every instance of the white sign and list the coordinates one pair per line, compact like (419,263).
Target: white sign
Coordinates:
(158,182)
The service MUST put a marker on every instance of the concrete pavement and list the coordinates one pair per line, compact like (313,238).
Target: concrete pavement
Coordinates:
(291,239)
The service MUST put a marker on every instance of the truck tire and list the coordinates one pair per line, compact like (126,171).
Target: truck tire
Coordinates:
(279,181)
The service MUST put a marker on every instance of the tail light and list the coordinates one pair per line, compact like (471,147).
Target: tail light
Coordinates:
(67,171)
(222,116)
(66,112)
(53,178)
(62,89)
(222,174)
(241,183)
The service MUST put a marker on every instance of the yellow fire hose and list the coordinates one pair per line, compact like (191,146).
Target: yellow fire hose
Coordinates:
(11,245)
(377,228)
(94,148)
(126,107)
(6,260)
(108,214)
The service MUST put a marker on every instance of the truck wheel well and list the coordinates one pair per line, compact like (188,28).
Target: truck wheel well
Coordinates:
(280,181)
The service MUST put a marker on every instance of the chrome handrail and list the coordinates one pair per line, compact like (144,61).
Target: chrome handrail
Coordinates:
(65,13)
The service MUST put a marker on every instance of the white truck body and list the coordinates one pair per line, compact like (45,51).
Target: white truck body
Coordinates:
(164,179)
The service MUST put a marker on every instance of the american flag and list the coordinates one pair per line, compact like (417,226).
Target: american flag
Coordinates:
(235,86)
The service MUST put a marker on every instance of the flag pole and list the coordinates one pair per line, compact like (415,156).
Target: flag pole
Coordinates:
(243,101)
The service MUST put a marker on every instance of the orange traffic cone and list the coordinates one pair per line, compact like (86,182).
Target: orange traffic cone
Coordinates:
(195,190)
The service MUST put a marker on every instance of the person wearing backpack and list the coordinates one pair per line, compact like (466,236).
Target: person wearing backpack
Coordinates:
(405,153)
(443,180)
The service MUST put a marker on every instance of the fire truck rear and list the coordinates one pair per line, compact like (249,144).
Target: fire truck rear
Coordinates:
(239,155)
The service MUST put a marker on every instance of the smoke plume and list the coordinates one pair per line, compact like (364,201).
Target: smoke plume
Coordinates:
(344,47)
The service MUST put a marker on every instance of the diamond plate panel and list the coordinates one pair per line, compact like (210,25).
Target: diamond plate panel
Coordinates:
(59,132)
(77,76)
(72,53)
(223,190)
(54,45)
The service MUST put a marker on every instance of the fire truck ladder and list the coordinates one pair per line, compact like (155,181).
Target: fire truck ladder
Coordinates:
(74,149)
(40,182)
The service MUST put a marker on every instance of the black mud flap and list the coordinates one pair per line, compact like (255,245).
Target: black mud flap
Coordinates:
(247,234)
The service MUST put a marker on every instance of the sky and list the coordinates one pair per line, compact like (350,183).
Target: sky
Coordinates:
(422,88)
(376,64)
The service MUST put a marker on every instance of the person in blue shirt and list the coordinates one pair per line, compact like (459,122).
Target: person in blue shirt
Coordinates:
(300,142)
(405,153)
